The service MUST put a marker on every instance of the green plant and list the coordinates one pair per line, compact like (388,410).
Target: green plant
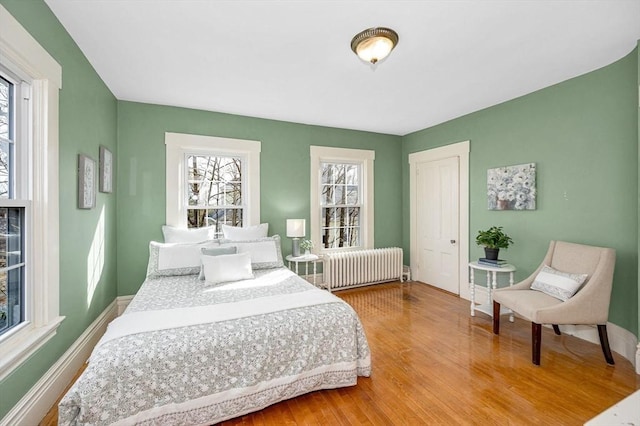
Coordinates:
(306,244)
(494,238)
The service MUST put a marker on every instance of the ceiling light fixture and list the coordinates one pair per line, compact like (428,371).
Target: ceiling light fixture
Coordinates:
(374,44)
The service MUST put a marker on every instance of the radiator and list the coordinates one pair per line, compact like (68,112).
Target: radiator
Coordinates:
(362,267)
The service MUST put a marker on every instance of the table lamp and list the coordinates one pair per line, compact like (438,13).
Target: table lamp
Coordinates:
(295,230)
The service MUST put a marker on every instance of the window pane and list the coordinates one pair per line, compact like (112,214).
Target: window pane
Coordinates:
(5,169)
(6,93)
(352,195)
(11,281)
(6,139)
(352,172)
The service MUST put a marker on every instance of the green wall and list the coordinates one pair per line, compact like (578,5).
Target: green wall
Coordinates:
(582,133)
(284,175)
(88,118)
(583,136)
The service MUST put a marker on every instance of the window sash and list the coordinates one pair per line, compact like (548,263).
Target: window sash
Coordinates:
(352,192)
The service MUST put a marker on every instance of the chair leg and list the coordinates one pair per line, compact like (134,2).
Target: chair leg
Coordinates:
(556,329)
(604,342)
(536,340)
(496,317)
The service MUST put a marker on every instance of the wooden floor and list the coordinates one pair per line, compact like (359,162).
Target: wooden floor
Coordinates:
(435,364)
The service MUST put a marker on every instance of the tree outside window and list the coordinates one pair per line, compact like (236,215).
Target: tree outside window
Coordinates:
(340,205)
(214,191)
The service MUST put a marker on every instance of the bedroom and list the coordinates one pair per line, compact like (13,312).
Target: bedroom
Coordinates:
(599,125)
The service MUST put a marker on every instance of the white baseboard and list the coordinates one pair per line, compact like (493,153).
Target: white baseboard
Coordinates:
(123,302)
(621,341)
(35,404)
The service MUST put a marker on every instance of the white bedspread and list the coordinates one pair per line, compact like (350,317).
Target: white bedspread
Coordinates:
(146,321)
(221,352)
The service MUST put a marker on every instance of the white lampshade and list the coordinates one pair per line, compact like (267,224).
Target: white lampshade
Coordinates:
(296,228)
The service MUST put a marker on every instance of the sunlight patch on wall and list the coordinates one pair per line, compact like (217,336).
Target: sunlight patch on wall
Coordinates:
(95,259)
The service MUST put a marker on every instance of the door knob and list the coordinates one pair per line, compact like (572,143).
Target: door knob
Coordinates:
(453,241)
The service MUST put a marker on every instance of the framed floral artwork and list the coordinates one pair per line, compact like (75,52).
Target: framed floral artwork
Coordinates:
(86,182)
(106,168)
(512,187)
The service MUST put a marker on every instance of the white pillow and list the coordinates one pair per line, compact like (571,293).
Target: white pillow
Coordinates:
(265,252)
(175,259)
(216,251)
(561,285)
(191,235)
(227,267)
(236,233)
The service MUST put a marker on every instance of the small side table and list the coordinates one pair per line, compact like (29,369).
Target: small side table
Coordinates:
(306,259)
(492,284)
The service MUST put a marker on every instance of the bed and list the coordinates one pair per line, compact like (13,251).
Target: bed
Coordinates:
(189,352)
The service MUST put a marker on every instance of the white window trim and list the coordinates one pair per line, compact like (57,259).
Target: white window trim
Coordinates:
(25,56)
(180,144)
(323,154)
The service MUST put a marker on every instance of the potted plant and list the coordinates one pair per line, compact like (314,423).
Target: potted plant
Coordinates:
(493,239)
(306,245)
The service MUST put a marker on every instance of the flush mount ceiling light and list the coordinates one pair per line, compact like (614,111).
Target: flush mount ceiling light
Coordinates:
(374,44)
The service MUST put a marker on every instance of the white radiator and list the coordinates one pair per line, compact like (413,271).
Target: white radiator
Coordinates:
(362,267)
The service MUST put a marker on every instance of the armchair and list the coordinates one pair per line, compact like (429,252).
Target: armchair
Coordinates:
(590,305)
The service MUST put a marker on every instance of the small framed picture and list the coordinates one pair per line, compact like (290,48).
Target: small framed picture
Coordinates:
(106,168)
(86,182)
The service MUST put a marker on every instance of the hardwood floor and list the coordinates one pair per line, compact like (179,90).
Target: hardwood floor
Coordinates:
(435,364)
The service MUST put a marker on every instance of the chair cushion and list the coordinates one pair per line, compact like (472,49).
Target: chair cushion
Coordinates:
(561,285)
(524,302)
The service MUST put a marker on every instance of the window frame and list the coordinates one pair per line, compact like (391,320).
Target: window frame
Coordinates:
(179,145)
(365,159)
(24,57)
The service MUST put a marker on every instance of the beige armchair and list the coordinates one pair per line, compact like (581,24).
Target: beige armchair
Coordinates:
(590,305)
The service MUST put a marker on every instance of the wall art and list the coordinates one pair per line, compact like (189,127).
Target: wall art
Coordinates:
(512,187)
(86,182)
(106,168)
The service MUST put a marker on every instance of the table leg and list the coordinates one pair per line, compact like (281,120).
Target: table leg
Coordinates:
(511,318)
(314,272)
(489,299)
(472,289)
(297,268)
(306,270)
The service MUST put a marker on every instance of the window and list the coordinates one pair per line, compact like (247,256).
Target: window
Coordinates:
(340,205)
(12,210)
(29,247)
(214,190)
(212,181)
(341,198)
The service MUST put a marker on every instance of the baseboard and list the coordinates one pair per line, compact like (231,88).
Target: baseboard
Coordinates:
(621,341)
(123,302)
(35,404)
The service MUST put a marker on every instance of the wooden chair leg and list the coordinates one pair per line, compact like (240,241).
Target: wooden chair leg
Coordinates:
(536,340)
(556,329)
(496,317)
(604,342)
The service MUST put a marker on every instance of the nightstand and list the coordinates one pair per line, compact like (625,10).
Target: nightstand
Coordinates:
(306,259)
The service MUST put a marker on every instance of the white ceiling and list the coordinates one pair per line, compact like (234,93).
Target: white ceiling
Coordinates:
(291,60)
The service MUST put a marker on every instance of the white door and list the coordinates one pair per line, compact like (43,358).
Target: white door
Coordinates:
(437,219)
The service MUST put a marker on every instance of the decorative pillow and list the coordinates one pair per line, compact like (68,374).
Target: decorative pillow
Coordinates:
(265,252)
(236,233)
(191,235)
(227,267)
(216,251)
(175,259)
(561,285)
